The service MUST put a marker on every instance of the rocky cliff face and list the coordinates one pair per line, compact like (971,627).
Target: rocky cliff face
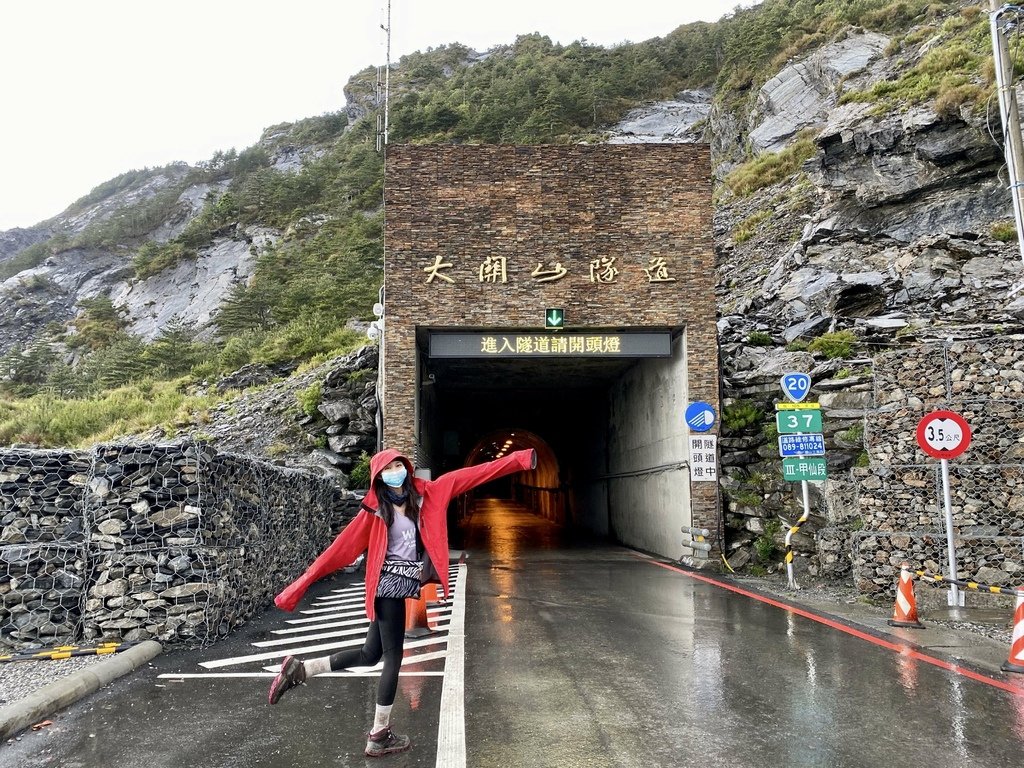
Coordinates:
(51,289)
(885,231)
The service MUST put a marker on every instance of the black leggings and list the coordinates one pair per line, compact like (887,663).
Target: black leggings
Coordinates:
(384,638)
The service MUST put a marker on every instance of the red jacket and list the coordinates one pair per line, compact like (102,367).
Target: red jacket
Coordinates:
(368,532)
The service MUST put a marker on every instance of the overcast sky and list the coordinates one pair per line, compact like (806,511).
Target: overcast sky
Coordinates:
(92,88)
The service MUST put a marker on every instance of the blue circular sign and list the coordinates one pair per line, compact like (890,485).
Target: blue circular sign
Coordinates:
(700,417)
(796,386)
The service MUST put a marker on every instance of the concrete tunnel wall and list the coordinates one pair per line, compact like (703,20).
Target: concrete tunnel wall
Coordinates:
(646,430)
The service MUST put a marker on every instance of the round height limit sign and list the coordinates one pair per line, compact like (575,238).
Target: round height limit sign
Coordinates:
(943,434)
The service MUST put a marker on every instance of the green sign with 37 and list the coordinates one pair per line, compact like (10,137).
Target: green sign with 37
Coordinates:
(792,422)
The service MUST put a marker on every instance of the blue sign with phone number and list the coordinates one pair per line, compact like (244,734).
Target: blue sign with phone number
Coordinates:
(810,444)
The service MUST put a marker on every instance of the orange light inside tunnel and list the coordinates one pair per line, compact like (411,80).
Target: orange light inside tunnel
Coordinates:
(541,487)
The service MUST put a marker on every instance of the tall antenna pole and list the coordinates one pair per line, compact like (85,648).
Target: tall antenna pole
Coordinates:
(1003,20)
(385,97)
(382,143)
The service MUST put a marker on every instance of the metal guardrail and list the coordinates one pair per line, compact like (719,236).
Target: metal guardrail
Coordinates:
(66,652)
(932,578)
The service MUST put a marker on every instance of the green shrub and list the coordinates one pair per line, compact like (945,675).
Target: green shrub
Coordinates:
(747,498)
(838,344)
(304,338)
(359,477)
(764,544)
(153,258)
(797,345)
(854,434)
(741,415)
(309,398)
(1003,231)
(759,339)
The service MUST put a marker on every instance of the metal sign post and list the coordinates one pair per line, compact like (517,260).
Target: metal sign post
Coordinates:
(799,426)
(954,598)
(944,435)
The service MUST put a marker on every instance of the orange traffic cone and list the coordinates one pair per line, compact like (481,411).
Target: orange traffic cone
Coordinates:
(905,612)
(1016,661)
(416,622)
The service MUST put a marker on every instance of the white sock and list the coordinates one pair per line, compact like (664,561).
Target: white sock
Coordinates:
(382,719)
(317,666)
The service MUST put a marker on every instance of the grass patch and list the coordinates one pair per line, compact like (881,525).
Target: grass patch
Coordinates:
(747,228)
(1003,231)
(759,339)
(838,344)
(133,409)
(955,73)
(770,168)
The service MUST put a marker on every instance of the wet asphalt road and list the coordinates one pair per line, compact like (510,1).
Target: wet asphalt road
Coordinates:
(576,655)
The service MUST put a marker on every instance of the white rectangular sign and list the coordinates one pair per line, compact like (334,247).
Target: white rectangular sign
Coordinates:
(703,458)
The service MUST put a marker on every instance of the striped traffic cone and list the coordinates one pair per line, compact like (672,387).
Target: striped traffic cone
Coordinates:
(904,614)
(1016,661)
(416,622)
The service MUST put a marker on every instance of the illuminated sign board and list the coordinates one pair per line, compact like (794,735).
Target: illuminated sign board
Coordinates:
(594,344)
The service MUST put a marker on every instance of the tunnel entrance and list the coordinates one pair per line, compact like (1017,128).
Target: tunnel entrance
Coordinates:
(560,298)
(607,427)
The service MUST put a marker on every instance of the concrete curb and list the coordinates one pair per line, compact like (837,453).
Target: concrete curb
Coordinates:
(66,691)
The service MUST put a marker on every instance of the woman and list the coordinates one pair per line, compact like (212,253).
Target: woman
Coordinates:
(402,526)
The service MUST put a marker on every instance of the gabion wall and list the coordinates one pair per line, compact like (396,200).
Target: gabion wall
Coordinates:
(900,497)
(169,542)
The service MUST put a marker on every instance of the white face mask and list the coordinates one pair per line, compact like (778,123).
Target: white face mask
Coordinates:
(394,477)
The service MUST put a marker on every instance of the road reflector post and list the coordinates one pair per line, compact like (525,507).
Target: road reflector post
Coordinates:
(697,542)
(698,546)
(904,613)
(1016,661)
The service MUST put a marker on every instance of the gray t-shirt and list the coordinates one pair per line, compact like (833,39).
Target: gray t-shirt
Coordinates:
(402,538)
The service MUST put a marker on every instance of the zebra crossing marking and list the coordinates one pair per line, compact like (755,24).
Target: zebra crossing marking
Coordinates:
(338,617)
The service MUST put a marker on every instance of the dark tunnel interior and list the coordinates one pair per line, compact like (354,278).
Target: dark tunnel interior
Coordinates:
(477,410)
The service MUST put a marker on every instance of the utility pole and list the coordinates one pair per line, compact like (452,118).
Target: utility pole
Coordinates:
(1003,21)
(382,147)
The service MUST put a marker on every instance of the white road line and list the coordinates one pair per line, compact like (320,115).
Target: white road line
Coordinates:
(312,611)
(325,601)
(352,589)
(435,611)
(207,675)
(355,612)
(322,636)
(217,663)
(307,638)
(325,617)
(326,625)
(408,659)
(451,726)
